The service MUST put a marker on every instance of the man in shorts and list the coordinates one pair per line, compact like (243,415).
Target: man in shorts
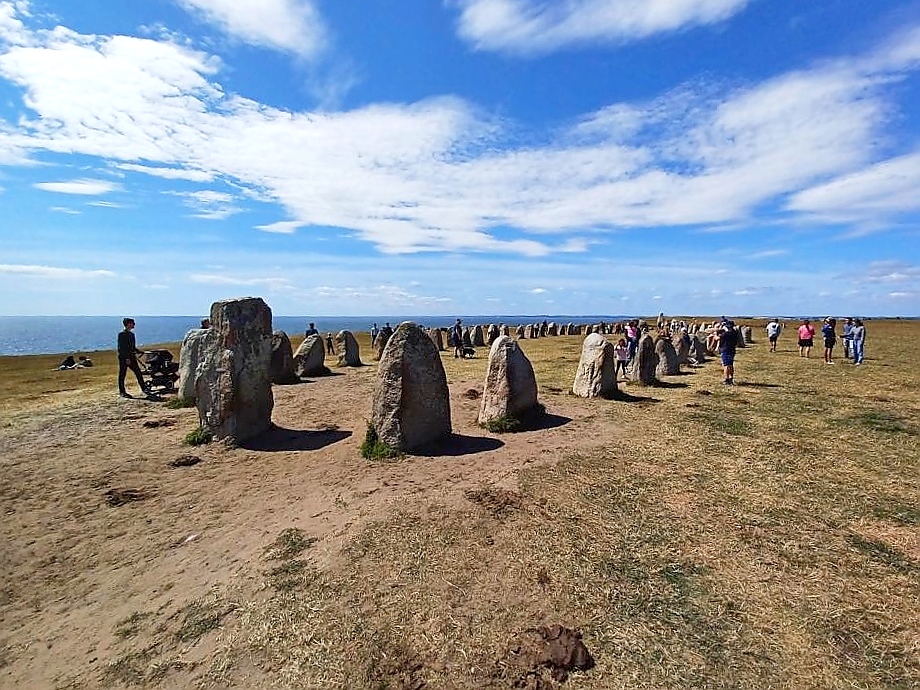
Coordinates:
(728,344)
(773,330)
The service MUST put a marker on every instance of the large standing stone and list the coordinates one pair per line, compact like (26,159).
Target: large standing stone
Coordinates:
(411,405)
(492,334)
(529,332)
(348,347)
(466,338)
(310,358)
(478,337)
(596,375)
(748,333)
(739,337)
(668,363)
(520,331)
(437,338)
(195,344)
(552,329)
(504,330)
(510,389)
(380,343)
(234,386)
(645,362)
(282,363)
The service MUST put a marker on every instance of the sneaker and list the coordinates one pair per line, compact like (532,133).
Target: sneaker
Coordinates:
(125,395)
(727,382)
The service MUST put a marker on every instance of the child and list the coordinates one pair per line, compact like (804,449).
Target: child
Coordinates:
(622,352)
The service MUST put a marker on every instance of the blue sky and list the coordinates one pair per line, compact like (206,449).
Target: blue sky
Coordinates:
(460,156)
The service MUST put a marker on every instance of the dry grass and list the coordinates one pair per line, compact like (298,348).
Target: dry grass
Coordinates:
(757,536)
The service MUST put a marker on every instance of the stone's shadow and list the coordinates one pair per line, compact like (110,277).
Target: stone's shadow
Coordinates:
(278,439)
(666,384)
(623,396)
(544,421)
(458,444)
(749,384)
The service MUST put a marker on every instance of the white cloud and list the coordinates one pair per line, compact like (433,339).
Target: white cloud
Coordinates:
(53,272)
(538,291)
(210,204)
(768,254)
(282,227)
(271,282)
(530,26)
(81,187)
(292,26)
(169,173)
(893,271)
(104,204)
(64,209)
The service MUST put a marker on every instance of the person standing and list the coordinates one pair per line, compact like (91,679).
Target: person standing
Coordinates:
(847,328)
(374,332)
(311,330)
(728,344)
(456,336)
(773,330)
(828,330)
(858,341)
(806,338)
(127,358)
(621,351)
(330,346)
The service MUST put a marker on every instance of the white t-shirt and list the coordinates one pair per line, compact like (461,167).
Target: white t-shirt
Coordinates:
(773,329)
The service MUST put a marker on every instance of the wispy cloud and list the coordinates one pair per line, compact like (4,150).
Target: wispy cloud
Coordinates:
(270,282)
(768,254)
(531,26)
(65,209)
(168,173)
(293,26)
(209,204)
(80,187)
(282,227)
(53,272)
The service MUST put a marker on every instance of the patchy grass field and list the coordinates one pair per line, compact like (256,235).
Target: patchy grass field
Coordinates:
(765,535)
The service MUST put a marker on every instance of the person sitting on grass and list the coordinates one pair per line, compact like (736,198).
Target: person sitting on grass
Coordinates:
(84,362)
(68,363)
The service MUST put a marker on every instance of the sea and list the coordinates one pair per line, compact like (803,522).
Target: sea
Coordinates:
(37,335)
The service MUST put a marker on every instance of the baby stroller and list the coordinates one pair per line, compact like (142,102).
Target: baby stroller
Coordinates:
(161,370)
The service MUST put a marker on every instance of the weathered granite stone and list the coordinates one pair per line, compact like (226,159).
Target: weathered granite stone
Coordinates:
(347,346)
(645,362)
(739,337)
(748,333)
(380,343)
(589,329)
(411,403)
(467,339)
(196,342)
(510,389)
(492,334)
(282,362)
(478,337)
(233,389)
(697,349)
(552,329)
(529,332)
(504,330)
(521,332)
(574,329)
(542,329)
(437,337)
(310,358)
(596,375)
(682,347)
(668,364)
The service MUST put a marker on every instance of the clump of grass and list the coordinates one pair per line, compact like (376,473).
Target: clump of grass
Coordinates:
(198,437)
(374,449)
(504,424)
(130,626)
(881,552)
(200,618)
(180,403)
(288,575)
(876,420)
(289,543)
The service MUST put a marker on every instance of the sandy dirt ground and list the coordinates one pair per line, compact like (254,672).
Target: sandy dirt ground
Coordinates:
(74,565)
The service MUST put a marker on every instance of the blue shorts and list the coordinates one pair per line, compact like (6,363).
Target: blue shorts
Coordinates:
(728,358)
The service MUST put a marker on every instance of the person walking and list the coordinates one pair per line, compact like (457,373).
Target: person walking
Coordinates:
(828,330)
(773,330)
(127,358)
(374,332)
(858,341)
(806,338)
(728,344)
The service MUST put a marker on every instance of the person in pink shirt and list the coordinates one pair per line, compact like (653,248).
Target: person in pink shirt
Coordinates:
(806,338)
(621,350)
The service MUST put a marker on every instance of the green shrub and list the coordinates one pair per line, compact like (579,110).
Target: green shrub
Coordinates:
(503,425)
(375,449)
(198,437)
(180,403)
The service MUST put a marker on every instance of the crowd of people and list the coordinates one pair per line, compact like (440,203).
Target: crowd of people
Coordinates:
(853,335)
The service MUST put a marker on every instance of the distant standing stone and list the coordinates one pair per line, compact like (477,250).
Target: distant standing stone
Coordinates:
(596,374)
(529,331)
(437,338)
(645,362)
(748,333)
(668,364)
(504,330)
(552,329)
(234,387)
(282,363)
(492,334)
(682,347)
(521,332)
(380,343)
(466,338)
(478,337)
(510,389)
(310,358)
(411,404)
(348,346)
(697,349)
(195,344)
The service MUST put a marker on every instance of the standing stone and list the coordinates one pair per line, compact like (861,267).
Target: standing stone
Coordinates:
(748,333)
(645,362)
(437,338)
(234,386)
(520,331)
(739,337)
(348,346)
(682,347)
(668,364)
(492,334)
(529,332)
(310,358)
(195,344)
(589,329)
(466,339)
(478,338)
(411,404)
(380,343)
(596,375)
(552,329)
(697,349)
(282,363)
(542,328)
(510,389)
(504,330)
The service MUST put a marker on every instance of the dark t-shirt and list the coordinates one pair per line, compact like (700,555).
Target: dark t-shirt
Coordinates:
(127,345)
(728,341)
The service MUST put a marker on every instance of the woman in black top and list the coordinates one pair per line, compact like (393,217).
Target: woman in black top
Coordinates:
(127,358)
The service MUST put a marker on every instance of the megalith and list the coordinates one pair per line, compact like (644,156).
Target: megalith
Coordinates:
(492,334)
(552,329)
(282,362)
(195,343)
(310,358)
(529,332)
(748,333)
(411,404)
(645,362)
(682,347)
(478,337)
(520,332)
(697,349)
(347,347)
(504,330)
(466,337)
(739,337)
(437,337)
(510,390)
(596,374)
(234,388)
(380,343)
(668,363)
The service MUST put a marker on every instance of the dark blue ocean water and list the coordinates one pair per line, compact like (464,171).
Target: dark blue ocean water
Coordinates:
(34,335)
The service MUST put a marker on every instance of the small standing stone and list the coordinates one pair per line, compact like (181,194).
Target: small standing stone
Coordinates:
(478,337)
(645,362)
(348,346)
(310,358)
(596,375)
(668,364)
(510,390)
(195,344)
(282,364)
